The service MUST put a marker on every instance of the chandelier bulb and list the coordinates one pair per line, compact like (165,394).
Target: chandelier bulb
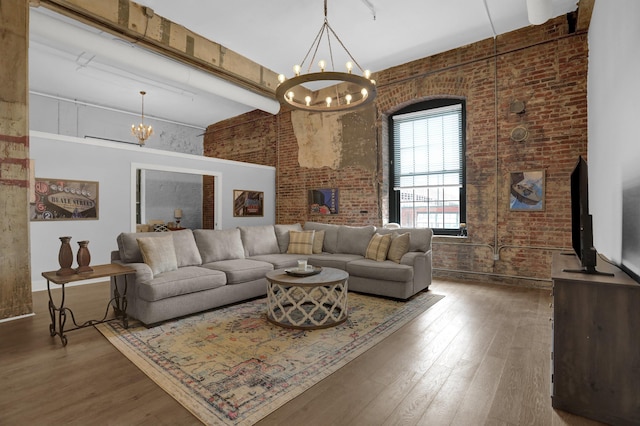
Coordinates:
(364,93)
(367,74)
(281,78)
(348,98)
(296,70)
(290,96)
(328,101)
(307,100)
(349,67)
(322,64)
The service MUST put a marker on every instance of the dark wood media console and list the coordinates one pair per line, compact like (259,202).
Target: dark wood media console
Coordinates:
(595,370)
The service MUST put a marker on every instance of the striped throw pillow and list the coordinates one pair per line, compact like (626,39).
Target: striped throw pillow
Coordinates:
(301,242)
(378,247)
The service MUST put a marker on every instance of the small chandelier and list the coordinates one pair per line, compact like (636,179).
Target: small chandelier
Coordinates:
(351,90)
(141,131)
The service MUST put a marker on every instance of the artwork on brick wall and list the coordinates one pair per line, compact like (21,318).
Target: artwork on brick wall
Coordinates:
(61,199)
(248,203)
(526,191)
(323,201)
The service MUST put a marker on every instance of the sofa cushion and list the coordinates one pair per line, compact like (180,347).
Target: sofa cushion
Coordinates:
(378,247)
(331,260)
(354,239)
(128,245)
(330,244)
(282,234)
(186,249)
(300,242)
(280,260)
(259,240)
(399,246)
(318,241)
(219,244)
(386,271)
(241,270)
(158,253)
(189,279)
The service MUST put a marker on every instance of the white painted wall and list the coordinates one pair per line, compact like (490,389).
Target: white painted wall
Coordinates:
(614,112)
(164,191)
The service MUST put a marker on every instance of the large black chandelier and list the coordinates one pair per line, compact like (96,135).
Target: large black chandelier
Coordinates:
(350,90)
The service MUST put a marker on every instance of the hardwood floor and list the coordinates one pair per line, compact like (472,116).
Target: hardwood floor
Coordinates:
(479,356)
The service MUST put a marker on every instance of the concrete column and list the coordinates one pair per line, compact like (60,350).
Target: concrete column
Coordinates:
(15,269)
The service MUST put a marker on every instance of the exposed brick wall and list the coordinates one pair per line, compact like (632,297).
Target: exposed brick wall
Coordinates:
(250,137)
(208,202)
(543,66)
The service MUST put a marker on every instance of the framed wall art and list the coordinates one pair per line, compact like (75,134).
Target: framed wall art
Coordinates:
(323,201)
(62,199)
(248,203)
(526,191)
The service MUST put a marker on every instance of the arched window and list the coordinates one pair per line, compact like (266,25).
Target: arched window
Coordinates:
(427,151)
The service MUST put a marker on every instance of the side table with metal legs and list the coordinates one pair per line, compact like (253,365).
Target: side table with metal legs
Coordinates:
(59,313)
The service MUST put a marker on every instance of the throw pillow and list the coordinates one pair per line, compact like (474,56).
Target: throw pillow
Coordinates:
(399,246)
(378,247)
(159,253)
(160,228)
(318,242)
(301,242)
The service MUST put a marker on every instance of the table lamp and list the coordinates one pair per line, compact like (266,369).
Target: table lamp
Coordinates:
(177,214)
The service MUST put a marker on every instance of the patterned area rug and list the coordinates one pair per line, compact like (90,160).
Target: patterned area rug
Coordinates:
(231,366)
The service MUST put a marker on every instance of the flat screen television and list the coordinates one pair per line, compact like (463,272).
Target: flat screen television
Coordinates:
(581,220)
(631,227)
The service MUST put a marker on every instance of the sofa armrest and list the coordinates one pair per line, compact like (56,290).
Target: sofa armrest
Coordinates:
(422,272)
(130,282)
(410,258)
(143,271)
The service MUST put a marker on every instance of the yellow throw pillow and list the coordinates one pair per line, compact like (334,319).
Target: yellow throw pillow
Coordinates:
(318,241)
(300,242)
(378,247)
(399,246)
(159,253)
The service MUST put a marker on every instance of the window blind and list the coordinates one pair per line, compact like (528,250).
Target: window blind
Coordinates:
(427,148)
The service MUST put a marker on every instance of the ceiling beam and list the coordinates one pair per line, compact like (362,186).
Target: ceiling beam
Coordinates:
(585,10)
(140,25)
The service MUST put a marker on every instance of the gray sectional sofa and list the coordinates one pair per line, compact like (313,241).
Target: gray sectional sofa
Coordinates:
(183,272)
